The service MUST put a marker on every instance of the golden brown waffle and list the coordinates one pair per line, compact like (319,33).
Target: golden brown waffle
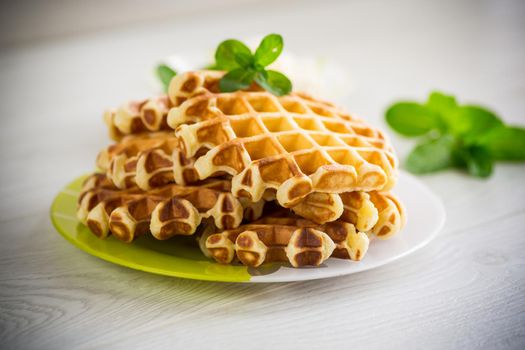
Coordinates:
(292,144)
(153,159)
(146,160)
(359,210)
(377,213)
(166,211)
(189,84)
(157,167)
(206,84)
(131,145)
(138,116)
(286,239)
(320,207)
(149,115)
(392,216)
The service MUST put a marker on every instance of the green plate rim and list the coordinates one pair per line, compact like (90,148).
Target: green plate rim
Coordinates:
(229,277)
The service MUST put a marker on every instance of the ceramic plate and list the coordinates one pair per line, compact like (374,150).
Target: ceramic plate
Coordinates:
(179,257)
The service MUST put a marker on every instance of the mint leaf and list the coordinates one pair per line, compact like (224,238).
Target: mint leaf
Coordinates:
(472,137)
(274,82)
(211,66)
(237,79)
(411,119)
(472,121)
(244,60)
(477,160)
(269,49)
(504,143)
(443,106)
(165,75)
(225,54)
(243,67)
(431,155)
(440,102)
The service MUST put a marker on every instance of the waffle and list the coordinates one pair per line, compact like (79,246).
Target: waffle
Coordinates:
(153,159)
(391,215)
(131,145)
(138,116)
(293,145)
(150,114)
(166,211)
(146,160)
(377,213)
(286,239)
(320,207)
(190,84)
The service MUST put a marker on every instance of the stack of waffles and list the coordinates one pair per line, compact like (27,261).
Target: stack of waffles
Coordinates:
(255,177)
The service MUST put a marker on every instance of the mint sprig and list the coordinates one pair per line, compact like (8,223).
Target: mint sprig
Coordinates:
(243,67)
(165,74)
(468,137)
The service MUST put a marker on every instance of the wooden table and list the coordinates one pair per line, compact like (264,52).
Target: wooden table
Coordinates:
(465,290)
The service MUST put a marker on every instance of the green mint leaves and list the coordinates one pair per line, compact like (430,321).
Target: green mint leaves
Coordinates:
(505,143)
(229,53)
(431,155)
(244,67)
(469,137)
(165,75)
(411,119)
(269,49)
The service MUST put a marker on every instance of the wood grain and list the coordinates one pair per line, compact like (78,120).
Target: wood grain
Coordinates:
(464,291)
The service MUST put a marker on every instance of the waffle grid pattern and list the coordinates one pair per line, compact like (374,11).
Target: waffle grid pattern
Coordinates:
(267,146)
(230,153)
(286,239)
(165,212)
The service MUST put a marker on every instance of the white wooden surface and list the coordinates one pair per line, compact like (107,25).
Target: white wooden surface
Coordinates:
(466,290)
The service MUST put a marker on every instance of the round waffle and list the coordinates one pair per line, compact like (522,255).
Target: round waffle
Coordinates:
(378,213)
(138,116)
(146,160)
(166,211)
(286,239)
(292,144)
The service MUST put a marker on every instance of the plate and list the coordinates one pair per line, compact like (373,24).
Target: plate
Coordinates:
(179,256)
